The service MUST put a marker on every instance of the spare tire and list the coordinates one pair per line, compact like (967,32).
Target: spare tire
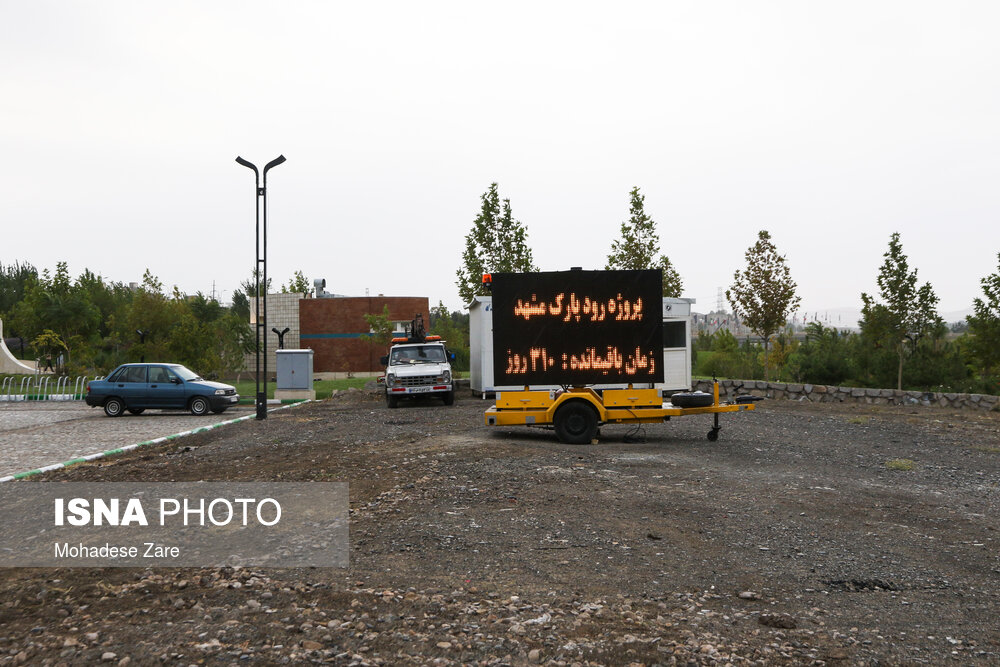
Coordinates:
(692,399)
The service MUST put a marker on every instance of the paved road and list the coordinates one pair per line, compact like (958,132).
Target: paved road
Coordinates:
(42,433)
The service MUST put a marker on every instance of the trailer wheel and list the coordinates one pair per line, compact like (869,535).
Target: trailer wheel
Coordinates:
(576,423)
(713,435)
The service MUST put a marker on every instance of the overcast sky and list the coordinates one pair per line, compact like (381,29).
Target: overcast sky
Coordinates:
(831,125)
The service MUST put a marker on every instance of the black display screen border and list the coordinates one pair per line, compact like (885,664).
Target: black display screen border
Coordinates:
(605,347)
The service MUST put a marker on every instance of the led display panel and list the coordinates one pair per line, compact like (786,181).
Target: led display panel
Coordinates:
(577,327)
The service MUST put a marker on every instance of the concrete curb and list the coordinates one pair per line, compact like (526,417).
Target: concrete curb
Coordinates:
(128,448)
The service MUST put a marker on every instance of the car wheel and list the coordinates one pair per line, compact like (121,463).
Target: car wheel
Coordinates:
(576,423)
(199,406)
(136,411)
(114,407)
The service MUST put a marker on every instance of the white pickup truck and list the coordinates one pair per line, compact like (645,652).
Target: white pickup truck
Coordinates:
(418,369)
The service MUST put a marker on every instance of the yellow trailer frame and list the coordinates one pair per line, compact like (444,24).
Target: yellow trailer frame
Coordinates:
(577,412)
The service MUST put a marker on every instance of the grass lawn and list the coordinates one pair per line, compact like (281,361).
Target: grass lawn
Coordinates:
(247,388)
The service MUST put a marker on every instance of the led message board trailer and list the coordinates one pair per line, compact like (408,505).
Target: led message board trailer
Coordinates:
(577,327)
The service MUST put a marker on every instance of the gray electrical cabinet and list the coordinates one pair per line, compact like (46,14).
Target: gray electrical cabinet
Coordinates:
(295,369)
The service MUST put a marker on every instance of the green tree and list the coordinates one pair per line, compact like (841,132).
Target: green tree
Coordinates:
(15,279)
(50,345)
(111,299)
(906,314)
(243,296)
(763,294)
(725,357)
(56,303)
(984,324)
(241,305)
(453,327)
(236,339)
(381,327)
(152,314)
(824,356)
(297,284)
(204,309)
(497,243)
(639,245)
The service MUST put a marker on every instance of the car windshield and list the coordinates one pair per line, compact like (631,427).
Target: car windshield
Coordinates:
(186,374)
(425,354)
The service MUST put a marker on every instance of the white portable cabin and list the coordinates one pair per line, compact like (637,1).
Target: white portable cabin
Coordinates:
(676,348)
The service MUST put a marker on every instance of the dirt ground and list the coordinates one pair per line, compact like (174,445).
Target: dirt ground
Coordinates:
(807,534)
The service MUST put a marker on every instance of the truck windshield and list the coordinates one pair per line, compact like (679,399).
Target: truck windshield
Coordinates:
(429,354)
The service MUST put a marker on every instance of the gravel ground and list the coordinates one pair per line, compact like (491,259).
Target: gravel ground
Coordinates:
(808,534)
(39,433)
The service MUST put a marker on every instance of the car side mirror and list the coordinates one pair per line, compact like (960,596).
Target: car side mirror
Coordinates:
(451,356)
(175,380)
(384,360)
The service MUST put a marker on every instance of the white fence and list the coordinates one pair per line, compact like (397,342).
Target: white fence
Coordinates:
(44,388)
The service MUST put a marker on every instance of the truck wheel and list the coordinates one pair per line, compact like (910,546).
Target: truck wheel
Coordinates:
(576,423)
(449,398)
(391,401)
(114,407)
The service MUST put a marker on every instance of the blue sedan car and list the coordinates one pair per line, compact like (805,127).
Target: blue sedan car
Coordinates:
(136,387)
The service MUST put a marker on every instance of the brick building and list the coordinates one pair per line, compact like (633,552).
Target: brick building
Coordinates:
(333,327)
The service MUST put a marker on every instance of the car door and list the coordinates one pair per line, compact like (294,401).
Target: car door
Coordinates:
(132,386)
(165,389)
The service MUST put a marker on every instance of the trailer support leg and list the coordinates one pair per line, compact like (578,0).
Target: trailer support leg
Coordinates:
(713,435)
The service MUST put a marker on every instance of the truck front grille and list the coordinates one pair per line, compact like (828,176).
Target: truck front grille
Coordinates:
(417,380)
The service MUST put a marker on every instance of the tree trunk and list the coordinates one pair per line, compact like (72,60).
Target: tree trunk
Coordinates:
(767,360)
(899,373)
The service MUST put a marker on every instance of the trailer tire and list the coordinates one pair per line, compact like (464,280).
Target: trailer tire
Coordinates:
(576,423)
(693,399)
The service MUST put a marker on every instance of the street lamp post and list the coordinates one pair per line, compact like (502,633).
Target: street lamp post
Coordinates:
(142,341)
(260,266)
(281,336)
